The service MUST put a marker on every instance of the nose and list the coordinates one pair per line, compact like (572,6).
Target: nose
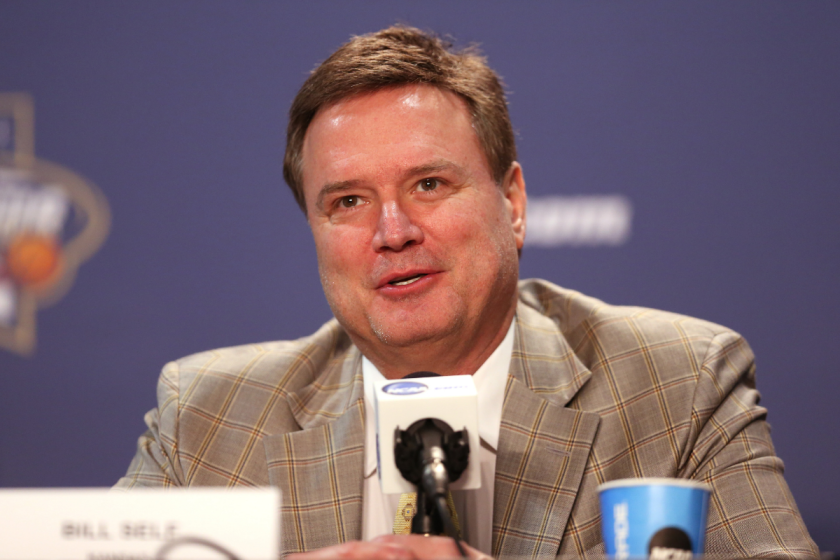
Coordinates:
(394,230)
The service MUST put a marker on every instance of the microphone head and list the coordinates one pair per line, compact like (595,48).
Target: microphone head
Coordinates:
(417,374)
(412,452)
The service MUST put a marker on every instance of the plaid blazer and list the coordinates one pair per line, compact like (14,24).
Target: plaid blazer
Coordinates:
(595,393)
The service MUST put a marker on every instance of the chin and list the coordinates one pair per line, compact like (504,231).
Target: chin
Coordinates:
(408,332)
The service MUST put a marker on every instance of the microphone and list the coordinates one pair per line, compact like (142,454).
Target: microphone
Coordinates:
(429,454)
(420,411)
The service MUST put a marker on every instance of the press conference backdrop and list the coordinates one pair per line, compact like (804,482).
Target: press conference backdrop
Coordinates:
(683,156)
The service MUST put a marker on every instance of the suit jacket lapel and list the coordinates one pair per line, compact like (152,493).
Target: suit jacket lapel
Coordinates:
(319,469)
(543,445)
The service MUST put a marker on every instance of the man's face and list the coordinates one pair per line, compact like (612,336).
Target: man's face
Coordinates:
(416,242)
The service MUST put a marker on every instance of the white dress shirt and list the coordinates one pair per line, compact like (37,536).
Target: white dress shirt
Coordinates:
(474,507)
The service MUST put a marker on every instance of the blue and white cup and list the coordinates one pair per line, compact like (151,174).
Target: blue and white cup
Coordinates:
(660,518)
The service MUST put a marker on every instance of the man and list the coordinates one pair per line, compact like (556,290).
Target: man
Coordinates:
(401,154)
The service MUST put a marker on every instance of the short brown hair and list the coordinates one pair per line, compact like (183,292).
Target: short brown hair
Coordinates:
(396,56)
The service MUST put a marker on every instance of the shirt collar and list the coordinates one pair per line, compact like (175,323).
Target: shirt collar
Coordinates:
(490,380)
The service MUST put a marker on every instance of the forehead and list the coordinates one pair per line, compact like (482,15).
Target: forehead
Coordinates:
(388,128)
(392,103)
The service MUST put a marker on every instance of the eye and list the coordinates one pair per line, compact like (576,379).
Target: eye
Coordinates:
(349,201)
(428,184)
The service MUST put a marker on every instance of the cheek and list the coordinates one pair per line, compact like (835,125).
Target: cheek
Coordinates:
(458,222)
(483,234)
(335,270)
(341,249)
(476,228)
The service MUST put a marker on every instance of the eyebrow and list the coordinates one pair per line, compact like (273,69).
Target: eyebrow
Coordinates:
(436,167)
(425,169)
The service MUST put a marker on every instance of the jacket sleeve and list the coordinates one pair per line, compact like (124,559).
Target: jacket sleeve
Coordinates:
(751,512)
(156,462)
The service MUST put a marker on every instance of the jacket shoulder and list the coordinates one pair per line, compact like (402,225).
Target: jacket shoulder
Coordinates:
(285,365)
(599,331)
(573,311)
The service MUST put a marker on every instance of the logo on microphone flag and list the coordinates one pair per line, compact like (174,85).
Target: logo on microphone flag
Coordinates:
(51,221)
(405,388)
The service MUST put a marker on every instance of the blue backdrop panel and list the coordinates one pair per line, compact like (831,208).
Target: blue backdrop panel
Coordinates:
(717,122)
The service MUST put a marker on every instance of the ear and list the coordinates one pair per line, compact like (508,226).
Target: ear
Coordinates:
(513,188)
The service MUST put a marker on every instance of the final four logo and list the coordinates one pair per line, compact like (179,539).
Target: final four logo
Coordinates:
(51,221)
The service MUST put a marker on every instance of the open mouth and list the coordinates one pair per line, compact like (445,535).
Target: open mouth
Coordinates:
(406,281)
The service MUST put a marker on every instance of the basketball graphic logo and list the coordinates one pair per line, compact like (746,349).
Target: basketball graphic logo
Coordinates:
(51,221)
(33,260)
(670,543)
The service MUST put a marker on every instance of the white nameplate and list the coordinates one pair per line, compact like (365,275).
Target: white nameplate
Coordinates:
(141,524)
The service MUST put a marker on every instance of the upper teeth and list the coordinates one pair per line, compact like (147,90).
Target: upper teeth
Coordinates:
(407,280)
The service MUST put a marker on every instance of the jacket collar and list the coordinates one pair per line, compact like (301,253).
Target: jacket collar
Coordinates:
(319,468)
(543,443)
(542,358)
(331,394)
